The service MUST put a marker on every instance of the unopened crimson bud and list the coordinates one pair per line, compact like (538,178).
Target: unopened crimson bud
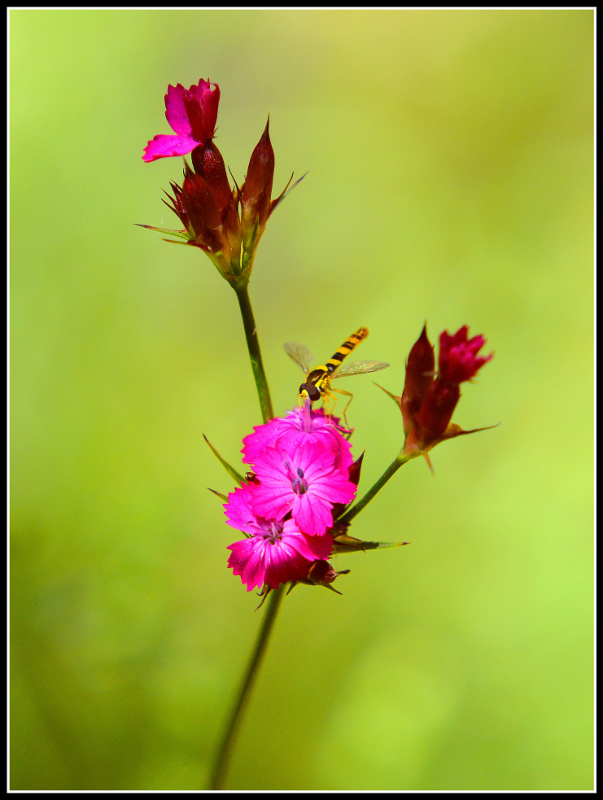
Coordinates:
(428,400)
(208,162)
(419,377)
(202,212)
(321,573)
(257,189)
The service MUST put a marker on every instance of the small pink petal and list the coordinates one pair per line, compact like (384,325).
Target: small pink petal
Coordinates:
(175,112)
(312,514)
(164,145)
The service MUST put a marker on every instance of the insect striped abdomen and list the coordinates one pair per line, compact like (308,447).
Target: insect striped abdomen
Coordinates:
(345,349)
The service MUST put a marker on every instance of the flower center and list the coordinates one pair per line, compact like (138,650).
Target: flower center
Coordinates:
(273,531)
(298,483)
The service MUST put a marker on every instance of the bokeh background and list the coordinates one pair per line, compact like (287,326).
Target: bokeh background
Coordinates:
(450,161)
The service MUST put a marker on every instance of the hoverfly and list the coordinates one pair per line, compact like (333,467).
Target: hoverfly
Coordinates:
(318,381)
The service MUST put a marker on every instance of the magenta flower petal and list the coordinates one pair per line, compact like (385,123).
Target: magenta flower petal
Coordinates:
(238,511)
(263,436)
(192,115)
(201,104)
(163,146)
(175,111)
(312,514)
(298,426)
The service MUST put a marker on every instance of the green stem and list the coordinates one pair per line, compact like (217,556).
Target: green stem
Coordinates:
(226,745)
(255,355)
(391,470)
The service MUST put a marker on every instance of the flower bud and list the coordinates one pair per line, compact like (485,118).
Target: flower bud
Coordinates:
(202,211)
(428,401)
(321,573)
(208,162)
(427,404)
(419,377)
(255,195)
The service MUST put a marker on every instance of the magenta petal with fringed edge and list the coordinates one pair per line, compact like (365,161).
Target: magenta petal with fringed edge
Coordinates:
(298,426)
(276,552)
(192,115)
(163,146)
(175,110)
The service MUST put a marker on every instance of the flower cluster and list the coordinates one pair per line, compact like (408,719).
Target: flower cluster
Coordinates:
(302,466)
(226,223)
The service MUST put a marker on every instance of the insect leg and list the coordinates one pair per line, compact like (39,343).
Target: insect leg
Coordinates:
(348,394)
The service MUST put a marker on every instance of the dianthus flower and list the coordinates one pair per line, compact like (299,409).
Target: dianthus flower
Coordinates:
(191,114)
(303,468)
(301,479)
(276,551)
(298,426)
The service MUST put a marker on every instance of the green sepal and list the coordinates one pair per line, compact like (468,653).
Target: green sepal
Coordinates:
(346,544)
(286,191)
(231,470)
(180,233)
(219,494)
(394,397)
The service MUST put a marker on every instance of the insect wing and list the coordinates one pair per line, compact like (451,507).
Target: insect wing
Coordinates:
(359,368)
(300,354)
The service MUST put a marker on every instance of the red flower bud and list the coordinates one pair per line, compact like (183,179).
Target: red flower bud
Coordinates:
(255,195)
(202,212)
(321,573)
(208,162)
(419,377)
(226,223)
(427,402)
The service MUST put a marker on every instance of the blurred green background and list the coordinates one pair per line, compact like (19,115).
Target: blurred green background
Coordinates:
(450,160)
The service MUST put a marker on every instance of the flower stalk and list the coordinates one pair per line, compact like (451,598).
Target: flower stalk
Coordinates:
(398,461)
(220,768)
(255,354)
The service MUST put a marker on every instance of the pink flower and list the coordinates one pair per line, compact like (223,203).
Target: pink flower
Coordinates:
(298,426)
(301,479)
(192,115)
(276,551)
